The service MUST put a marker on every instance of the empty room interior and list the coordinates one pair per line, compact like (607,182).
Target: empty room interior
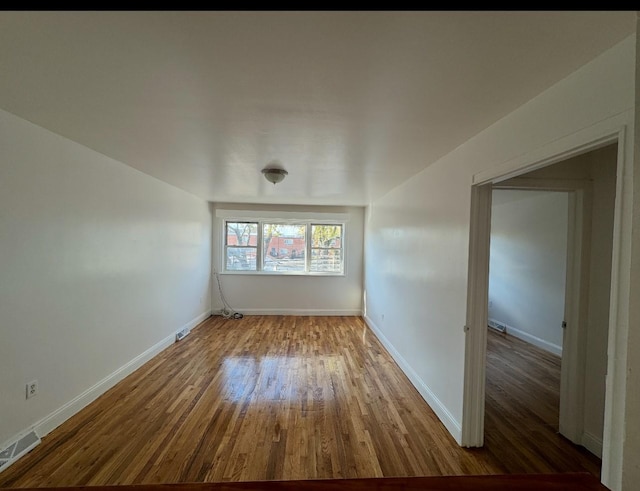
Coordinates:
(255,247)
(534,217)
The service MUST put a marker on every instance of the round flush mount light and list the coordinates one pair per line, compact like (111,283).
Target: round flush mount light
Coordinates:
(274,175)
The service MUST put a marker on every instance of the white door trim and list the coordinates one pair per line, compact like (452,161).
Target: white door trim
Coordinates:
(609,131)
(571,419)
(477,318)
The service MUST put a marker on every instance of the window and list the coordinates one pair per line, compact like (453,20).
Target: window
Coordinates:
(282,238)
(326,248)
(241,246)
(284,248)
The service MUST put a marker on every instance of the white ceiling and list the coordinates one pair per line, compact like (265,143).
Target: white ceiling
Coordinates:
(350,103)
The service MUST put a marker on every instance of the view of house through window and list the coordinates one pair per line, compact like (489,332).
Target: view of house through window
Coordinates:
(285,247)
(295,248)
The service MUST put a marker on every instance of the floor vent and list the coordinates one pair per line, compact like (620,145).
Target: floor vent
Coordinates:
(498,326)
(17,449)
(181,334)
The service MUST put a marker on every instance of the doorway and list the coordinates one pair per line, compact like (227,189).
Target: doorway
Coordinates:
(528,265)
(549,282)
(585,307)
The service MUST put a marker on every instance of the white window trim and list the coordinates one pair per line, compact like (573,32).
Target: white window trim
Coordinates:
(225,246)
(281,216)
(317,219)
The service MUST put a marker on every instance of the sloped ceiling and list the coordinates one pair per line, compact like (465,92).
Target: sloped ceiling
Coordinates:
(351,104)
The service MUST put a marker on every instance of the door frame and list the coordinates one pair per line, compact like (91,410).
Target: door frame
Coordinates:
(607,132)
(573,367)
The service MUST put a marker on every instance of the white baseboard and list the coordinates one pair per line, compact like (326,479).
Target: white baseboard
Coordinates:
(592,443)
(194,322)
(531,339)
(427,394)
(346,312)
(60,415)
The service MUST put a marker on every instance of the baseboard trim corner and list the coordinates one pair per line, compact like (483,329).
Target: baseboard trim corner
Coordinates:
(445,416)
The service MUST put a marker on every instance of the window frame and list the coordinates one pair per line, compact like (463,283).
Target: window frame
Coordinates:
(226,246)
(261,222)
(310,247)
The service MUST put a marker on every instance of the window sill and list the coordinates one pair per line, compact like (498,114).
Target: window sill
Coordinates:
(276,273)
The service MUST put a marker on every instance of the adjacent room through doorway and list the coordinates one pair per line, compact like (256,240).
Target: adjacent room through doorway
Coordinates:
(548,304)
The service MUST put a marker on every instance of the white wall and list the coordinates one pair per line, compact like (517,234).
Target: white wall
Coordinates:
(527,271)
(295,295)
(99,263)
(417,236)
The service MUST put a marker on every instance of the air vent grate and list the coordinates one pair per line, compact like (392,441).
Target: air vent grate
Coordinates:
(498,326)
(182,333)
(17,449)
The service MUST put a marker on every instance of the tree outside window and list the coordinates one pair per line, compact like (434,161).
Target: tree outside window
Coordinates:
(287,248)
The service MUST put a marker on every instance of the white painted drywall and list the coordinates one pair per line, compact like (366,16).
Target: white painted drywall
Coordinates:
(417,236)
(99,262)
(528,263)
(296,295)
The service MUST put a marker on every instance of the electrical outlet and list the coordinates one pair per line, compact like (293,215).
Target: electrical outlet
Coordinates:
(32,389)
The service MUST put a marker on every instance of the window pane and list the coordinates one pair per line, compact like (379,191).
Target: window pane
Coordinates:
(283,247)
(326,261)
(326,236)
(242,234)
(241,258)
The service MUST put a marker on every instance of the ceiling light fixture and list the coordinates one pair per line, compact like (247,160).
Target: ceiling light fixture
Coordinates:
(274,175)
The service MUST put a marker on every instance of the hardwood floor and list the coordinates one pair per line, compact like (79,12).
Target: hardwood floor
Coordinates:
(523,405)
(284,398)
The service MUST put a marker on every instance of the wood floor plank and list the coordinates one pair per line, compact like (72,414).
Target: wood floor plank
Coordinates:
(282,398)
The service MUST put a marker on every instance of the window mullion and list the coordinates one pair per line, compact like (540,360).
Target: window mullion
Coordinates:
(307,254)
(259,248)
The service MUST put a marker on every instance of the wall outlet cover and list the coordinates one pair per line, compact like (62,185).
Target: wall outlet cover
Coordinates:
(32,389)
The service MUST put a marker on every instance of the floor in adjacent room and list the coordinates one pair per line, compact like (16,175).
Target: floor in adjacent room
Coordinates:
(522,410)
(275,397)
